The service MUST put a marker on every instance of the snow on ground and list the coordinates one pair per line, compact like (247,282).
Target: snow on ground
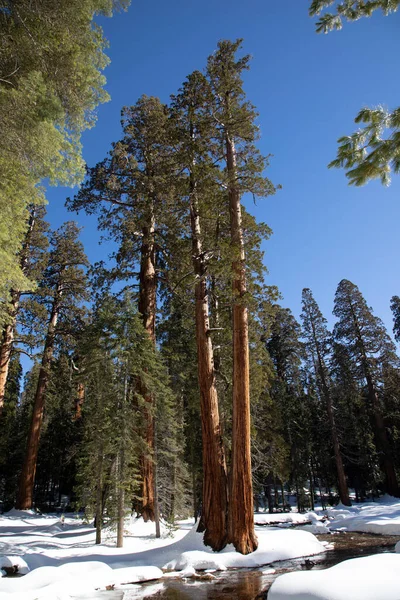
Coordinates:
(370,578)
(60,559)
(63,560)
(380,517)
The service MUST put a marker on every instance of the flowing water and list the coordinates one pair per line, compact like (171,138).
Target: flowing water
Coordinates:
(252,584)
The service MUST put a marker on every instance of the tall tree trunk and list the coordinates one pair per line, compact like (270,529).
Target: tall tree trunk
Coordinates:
(215,486)
(147,308)
(241,515)
(27,478)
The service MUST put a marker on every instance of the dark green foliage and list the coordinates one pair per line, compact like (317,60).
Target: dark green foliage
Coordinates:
(395,307)
(13,425)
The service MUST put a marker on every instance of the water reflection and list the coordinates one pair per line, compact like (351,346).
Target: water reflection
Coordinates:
(232,585)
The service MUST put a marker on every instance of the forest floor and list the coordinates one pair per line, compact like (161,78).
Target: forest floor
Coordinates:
(59,559)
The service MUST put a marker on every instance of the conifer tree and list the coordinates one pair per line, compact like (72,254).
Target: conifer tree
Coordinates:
(395,307)
(117,352)
(11,439)
(193,127)
(318,343)
(51,63)
(237,131)
(130,192)
(62,290)
(32,260)
(369,346)
(288,393)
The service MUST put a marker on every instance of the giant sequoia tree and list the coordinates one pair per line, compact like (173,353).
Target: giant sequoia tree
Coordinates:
(61,291)
(130,191)
(244,166)
(369,347)
(193,133)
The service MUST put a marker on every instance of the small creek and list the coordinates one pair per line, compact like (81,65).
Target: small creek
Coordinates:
(253,584)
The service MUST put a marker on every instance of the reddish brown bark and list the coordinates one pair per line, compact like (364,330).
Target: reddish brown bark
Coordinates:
(147,308)
(5,355)
(241,513)
(27,478)
(215,501)
(80,398)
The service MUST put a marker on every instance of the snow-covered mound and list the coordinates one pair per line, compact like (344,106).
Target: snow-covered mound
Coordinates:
(371,578)
(273,545)
(380,517)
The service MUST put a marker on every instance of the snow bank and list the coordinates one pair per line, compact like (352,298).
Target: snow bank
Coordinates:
(371,578)
(273,545)
(270,519)
(381,517)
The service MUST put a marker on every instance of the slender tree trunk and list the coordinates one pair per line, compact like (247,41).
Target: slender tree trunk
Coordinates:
(147,308)
(121,501)
(27,478)
(241,515)
(156,504)
(311,489)
(215,486)
(99,498)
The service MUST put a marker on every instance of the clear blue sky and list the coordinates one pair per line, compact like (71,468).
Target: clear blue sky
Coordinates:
(308,89)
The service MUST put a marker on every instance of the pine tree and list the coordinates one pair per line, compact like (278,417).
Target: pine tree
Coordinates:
(62,289)
(237,131)
(318,343)
(369,346)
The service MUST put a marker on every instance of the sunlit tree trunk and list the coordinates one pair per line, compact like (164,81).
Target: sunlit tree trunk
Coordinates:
(241,516)
(214,507)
